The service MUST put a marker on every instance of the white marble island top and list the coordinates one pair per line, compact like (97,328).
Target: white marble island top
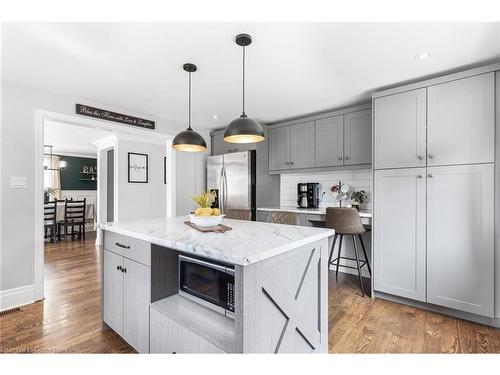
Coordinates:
(248,242)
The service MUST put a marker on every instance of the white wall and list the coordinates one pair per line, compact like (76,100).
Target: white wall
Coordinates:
(190,182)
(137,200)
(17,159)
(356,179)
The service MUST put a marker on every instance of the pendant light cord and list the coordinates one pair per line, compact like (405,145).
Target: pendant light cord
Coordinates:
(189,103)
(243,81)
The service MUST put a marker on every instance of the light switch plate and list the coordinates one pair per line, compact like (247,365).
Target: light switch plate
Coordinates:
(18,182)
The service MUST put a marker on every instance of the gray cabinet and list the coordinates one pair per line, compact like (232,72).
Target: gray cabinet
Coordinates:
(127,288)
(302,145)
(358,137)
(340,140)
(400,232)
(399,130)
(279,148)
(292,147)
(167,336)
(113,291)
(460,237)
(461,123)
(219,146)
(136,300)
(330,141)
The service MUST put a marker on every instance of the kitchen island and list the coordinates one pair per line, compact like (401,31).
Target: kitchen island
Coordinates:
(280,287)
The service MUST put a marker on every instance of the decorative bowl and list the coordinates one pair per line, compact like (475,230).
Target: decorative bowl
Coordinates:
(205,221)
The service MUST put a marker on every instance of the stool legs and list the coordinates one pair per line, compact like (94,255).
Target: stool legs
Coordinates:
(357,265)
(332,249)
(366,256)
(338,257)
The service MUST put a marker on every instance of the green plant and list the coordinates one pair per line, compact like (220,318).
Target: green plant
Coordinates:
(359,196)
(205,199)
(50,190)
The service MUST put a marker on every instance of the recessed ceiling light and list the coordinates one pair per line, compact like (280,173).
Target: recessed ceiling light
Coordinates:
(215,117)
(422,56)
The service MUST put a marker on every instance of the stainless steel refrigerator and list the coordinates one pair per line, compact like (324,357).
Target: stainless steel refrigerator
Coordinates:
(232,178)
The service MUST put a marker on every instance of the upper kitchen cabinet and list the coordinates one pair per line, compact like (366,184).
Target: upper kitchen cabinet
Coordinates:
(338,139)
(399,130)
(279,148)
(330,141)
(358,137)
(292,147)
(219,146)
(302,145)
(461,123)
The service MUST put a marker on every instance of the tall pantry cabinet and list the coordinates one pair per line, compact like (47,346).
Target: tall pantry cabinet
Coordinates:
(434,197)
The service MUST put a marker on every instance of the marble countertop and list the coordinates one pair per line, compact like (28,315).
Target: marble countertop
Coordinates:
(248,242)
(317,211)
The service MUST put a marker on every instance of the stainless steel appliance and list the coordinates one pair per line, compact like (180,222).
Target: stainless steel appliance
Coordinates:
(307,195)
(232,178)
(208,283)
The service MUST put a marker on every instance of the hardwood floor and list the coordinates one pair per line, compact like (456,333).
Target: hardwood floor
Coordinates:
(69,319)
(364,325)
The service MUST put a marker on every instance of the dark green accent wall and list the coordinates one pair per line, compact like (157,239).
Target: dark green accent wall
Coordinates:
(70,175)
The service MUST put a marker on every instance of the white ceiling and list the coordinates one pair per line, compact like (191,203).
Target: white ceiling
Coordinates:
(292,68)
(73,139)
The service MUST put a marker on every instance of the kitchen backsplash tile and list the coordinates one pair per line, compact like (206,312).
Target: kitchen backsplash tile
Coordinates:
(359,179)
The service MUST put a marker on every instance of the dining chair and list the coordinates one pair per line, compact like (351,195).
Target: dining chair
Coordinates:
(239,214)
(281,217)
(74,216)
(49,220)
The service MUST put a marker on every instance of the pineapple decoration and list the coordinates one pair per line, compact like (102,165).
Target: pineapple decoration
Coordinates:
(205,200)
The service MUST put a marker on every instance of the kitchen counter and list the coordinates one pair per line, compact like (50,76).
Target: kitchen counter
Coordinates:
(247,243)
(311,211)
(280,287)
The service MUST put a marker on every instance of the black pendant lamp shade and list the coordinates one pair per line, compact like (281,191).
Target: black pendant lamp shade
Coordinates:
(189,140)
(244,129)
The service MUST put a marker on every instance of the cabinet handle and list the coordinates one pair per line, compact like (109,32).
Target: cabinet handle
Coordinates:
(118,268)
(292,162)
(420,176)
(347,158)
(340,158)
(122,245)
(124,270)
(420,157)
(430,175)
(431,156)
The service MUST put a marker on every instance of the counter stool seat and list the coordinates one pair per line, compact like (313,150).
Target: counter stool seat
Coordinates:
(346,222)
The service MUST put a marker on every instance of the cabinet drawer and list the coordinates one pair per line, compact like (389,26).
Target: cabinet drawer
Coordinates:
(167,336)
(129,247)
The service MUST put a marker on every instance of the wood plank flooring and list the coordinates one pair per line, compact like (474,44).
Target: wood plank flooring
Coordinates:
(363,325)
(69,319)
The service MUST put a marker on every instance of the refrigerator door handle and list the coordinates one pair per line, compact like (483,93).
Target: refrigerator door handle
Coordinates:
(221,190)
(225,189)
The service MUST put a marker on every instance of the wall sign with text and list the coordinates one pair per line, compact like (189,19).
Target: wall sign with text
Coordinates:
(103,114)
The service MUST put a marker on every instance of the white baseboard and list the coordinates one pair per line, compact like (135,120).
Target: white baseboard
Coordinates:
(17,297)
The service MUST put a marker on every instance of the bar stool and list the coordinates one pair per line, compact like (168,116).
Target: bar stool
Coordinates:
(346,222)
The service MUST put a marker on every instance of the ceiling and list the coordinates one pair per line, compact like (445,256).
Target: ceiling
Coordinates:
(292,68)
(73,139)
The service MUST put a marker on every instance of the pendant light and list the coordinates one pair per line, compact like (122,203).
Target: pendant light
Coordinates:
(189,140)
(244,129)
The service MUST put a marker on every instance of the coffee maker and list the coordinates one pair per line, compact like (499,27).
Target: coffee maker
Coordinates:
(308,195)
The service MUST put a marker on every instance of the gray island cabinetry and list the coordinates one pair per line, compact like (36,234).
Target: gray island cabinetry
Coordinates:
(280,287)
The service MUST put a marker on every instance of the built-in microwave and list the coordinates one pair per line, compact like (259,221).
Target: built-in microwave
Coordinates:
(208,283)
